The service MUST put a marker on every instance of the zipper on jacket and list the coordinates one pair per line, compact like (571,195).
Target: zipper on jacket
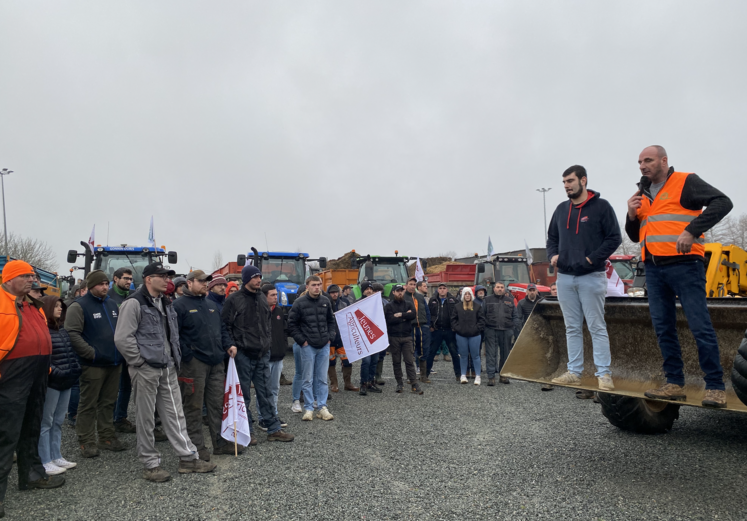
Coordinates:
(106,313)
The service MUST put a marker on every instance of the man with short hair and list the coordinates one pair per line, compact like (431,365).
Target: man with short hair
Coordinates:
(120,289)
(420,324)
(180,284)
(553,290)
(442,304)
(666,216)
(501,319)
(37,290)
(336,348)
(147,336)
(399,314)
(278,346)
(217,291)
(25,350)
(526,305)
(247,316)
(583,233)
(91,322)
(204,340)
(311,323)
(347,294)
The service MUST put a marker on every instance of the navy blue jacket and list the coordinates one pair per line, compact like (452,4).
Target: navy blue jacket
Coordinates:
(589,229)
(65,365)
(94,326)
(202,333)
(219,300)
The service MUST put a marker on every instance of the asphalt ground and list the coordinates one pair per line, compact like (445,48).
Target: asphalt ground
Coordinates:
(457,452)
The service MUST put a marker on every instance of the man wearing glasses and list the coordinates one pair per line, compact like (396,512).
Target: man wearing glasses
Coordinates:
(147,336)
(119,291)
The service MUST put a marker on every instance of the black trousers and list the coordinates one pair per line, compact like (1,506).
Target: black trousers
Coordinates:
(23,388)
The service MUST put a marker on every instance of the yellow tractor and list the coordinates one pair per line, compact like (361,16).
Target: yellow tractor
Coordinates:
(540,352)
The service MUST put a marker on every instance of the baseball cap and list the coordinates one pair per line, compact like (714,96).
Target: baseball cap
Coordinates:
(199,275)
(531,286)
(398,287)
(156,268)
(443,284)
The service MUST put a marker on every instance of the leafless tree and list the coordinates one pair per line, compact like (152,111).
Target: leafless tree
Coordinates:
(627,247)
(731,230)
(217,260)
(34,251)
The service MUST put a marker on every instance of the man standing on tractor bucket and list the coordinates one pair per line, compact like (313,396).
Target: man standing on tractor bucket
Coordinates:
(583,233)
(666,216)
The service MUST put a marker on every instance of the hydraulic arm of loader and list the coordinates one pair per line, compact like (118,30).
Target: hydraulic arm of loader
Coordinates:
(540,352)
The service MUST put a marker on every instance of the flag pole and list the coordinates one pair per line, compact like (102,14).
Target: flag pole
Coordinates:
(235,443)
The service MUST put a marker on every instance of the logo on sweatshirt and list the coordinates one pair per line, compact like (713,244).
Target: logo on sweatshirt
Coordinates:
(97,315)
(584,219)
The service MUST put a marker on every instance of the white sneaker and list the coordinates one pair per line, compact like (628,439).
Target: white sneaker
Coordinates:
(477,380)
(324,414)
(64,464)
(308,416)
(296,407)
(52,469)
(463,379)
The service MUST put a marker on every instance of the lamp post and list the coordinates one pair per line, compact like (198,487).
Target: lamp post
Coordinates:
(544,207)
(3,173)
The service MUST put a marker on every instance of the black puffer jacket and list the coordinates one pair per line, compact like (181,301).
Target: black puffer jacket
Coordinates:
(65,364)
(465,322)
(311,320)
(247,317)
(526,307)
(399,326)
(278,334)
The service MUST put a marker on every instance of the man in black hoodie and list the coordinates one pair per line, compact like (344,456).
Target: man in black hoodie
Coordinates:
(399,315)
(204,340)
(583,233)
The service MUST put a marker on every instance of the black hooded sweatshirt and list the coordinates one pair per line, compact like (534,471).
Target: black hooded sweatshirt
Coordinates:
(578,231)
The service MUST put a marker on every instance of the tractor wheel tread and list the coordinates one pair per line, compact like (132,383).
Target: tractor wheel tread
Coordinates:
(632,414)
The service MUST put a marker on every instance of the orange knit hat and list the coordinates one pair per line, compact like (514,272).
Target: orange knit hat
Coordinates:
(15,268)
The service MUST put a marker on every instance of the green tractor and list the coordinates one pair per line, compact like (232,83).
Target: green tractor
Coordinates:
(387,271)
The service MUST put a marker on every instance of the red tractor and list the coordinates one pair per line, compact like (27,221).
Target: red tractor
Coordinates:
(625,267)
(514,272)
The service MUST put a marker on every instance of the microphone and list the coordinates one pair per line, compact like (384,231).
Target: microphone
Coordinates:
(644,184)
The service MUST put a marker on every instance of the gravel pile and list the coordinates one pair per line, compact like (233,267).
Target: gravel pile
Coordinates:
(457,452)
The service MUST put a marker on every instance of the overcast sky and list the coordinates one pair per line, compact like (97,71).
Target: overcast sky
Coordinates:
(419,126)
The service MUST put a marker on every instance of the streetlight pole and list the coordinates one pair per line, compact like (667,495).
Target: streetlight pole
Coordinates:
(3,173)
(544,207)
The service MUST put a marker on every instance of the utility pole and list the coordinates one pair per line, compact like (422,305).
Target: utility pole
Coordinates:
(3,173)
(544,207)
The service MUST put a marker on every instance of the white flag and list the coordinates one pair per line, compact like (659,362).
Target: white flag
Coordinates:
(490,247)
(530,259)
(419,274)
(363,328)
(92,238)
(151,234)
(615,286)
(234,410)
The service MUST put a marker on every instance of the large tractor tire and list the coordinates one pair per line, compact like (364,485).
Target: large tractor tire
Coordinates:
(639,415)
(739,373)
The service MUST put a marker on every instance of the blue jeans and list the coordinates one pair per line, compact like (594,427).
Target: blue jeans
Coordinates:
(50,439)
(257,372)
(448,336)
(297,386)
(583,297)
(123,398)
(273,386)
(315,367)
(368,368)
(687,281)
(469,346)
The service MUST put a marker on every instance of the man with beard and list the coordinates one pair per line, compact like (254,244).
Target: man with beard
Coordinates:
(583,233)
(217,291)
(399,315)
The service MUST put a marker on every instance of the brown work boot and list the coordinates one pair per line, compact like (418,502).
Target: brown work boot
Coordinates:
(280,435)
(583,394)
(347,374)
(283,381)
(112,444)
(156,474)
(89,450)
(447,358)
(714,398)
(196,465)
(44,483)
(667,392)
(504,380)
(125,426)
(204,454)
(332,375)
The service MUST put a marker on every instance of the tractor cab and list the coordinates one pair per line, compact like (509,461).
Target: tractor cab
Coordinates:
(110,258)
(514,272)
(387,271)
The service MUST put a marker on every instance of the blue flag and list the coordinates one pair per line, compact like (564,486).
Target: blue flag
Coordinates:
(490,247)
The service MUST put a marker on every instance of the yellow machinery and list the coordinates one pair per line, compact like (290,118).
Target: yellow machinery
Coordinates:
(726,272)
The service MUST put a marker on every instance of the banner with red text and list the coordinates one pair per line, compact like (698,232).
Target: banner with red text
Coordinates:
(235,420)
(363,328)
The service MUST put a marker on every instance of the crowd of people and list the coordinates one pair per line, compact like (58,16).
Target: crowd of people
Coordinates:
(169,341)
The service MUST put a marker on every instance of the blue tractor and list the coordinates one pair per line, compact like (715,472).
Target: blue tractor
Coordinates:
(285,270)
(110,258)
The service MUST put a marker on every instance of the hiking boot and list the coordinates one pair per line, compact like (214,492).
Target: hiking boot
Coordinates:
(283,381)
(347,375)
(113,445)
(252,439)
(204,454)
(714,398)
(373,388)
(196,465)
(280,435)
(308,416)
(125,426)
(400,388)
(416,388)
(447,358)
(89,450)
(332,377)
(491,382)
(159,434)
(425,378)
(583,394)
(363,391)
(296,407)
(605,382)
(228,449)
(44,483)
(463,379)
(324,414)
(547,387)
(567,378)
(504,380)
(667,392)
(156,474)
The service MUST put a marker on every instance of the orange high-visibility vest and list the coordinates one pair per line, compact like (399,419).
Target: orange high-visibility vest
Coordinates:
(663,220)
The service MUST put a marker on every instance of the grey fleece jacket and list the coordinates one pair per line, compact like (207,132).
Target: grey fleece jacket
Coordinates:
(128,324)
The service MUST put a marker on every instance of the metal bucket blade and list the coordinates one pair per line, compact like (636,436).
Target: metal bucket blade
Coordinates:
(540,353)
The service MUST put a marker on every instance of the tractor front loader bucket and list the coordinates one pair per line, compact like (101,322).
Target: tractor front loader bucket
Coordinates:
(540,352)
